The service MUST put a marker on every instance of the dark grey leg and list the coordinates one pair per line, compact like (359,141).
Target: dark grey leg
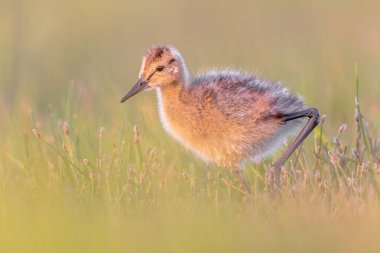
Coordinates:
(313,115)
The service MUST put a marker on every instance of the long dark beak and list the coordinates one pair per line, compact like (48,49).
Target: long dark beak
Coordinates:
(140,85)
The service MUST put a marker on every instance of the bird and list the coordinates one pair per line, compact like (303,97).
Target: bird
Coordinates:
(225,116)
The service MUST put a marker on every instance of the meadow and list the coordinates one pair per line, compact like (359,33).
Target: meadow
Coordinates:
(80,172)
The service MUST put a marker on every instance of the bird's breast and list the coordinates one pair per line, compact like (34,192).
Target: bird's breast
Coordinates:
(201,127)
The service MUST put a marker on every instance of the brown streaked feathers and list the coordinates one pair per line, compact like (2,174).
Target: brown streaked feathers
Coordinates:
(224,116)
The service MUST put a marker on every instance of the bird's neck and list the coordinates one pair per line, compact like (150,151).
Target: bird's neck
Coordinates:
(174,100)
(171,107)
(172,93)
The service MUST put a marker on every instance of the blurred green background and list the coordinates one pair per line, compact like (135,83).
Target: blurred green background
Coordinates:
(310,45)
(69,62)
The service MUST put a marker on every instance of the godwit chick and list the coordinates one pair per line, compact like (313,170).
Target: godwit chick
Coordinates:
(224,116)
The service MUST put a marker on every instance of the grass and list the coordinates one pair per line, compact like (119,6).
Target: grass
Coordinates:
(70,185)
(76,175)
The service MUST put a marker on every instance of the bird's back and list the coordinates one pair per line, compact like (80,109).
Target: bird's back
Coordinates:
(237,92)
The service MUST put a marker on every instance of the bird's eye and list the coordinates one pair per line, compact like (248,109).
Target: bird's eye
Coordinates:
(160,68)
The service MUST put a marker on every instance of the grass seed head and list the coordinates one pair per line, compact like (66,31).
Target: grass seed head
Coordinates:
(323,119)
(66,128)
(333,158)
(102,131)
(36,133)
(136,134)
(342,128)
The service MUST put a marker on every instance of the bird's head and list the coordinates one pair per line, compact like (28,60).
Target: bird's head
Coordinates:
(161,66)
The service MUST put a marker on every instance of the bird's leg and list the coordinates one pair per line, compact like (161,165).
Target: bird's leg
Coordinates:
(313,115)
(242,181)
